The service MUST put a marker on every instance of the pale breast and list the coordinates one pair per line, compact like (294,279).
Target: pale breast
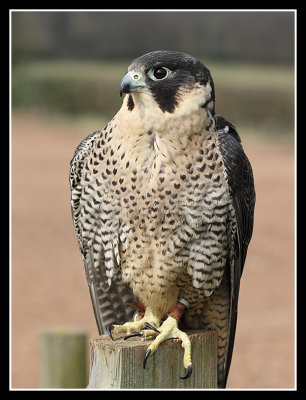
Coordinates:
(159,219)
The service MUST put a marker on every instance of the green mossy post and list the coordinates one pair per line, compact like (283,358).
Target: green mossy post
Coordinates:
(63,357)
(118,364)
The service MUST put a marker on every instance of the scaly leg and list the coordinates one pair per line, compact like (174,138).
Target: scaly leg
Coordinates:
(169,330)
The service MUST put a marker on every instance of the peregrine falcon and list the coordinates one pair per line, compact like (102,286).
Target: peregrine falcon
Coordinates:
(162,202)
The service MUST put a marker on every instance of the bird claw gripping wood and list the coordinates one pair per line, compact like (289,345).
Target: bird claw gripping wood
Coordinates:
(169,330)
(109,331)
(145,325)
(137,316)
(143,332)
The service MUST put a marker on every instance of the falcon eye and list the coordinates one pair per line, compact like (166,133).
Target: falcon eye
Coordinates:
(158,73)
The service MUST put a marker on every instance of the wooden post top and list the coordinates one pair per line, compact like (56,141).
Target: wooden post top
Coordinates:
(119,363)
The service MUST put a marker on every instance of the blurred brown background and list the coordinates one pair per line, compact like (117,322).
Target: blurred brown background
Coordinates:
(66,70)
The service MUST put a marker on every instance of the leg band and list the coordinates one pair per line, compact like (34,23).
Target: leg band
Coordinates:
(179,309)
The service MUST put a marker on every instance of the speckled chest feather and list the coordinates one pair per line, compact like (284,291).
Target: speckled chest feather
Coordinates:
(160,221)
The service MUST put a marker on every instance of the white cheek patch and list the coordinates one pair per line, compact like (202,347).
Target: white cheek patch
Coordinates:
(170,130)
(207,100)
(193,100)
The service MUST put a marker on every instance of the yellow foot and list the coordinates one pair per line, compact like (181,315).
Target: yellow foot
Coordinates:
(149,320)
(169,330)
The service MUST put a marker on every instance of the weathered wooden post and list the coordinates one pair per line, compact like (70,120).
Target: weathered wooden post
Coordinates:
(118,364)
(63,357)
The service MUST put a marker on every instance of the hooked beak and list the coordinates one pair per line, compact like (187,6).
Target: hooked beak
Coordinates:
(132,82)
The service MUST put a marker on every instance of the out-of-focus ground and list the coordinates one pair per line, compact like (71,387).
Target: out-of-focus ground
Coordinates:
(48,282)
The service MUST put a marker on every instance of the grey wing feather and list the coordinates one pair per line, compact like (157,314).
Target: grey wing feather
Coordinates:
(241,184)
(109,302)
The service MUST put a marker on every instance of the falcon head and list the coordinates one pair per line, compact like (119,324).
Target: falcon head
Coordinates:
(168,82)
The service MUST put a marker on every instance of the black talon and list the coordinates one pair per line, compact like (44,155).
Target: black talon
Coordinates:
(147,325)
(109,330)
(132,335)
(189,372)
(146,357)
